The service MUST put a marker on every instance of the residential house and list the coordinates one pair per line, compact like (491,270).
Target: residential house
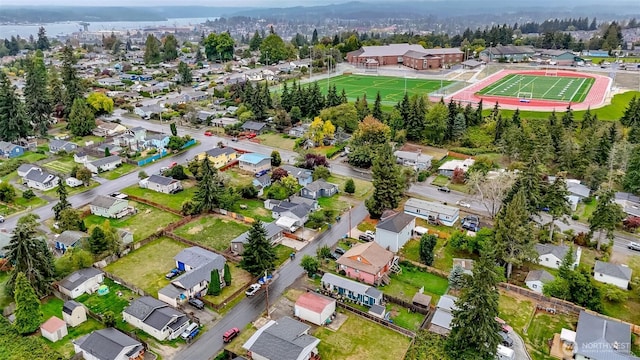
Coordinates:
(289,215)
(254,127)
(254,163)
(416,160)
(55,146)
(219,157)
(536,279)
(312,203)
(25,168)
(73,182)
(319,188)
(367,262)
(262,182)
(465,264)
(197,264)
(361,293)
(110,82)
(110,207)
(53,329)
(599,338)
(432,211)
(441,321)
(81,281)
(80,157)
(304,176)
(36,178)
(577,191)
(314,308)
(9,150)
(105,129)
(299,131)
(158,140)
(450,166)
(73,313)
(282,339)
(614,274)
(69,239)
(630,203)
(126,237)
(156,318)
(108,344)
(394,231)
(274,233)
(551,256)
(104,164)
(161,184)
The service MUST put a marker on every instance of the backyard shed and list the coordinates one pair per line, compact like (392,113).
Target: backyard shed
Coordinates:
(74,313)
(54,329)
(314,308)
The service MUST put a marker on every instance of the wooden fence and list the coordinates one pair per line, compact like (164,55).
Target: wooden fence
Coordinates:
(154,204)
(121,281)
(376,319)
(406,304)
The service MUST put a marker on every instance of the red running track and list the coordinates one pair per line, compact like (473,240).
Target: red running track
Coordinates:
(595,98)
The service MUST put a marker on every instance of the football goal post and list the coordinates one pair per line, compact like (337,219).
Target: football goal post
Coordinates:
(551,72)
(525,95)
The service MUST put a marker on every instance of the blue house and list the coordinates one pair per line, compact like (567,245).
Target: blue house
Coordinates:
(145,77)
(10,150)
(69,239)
(358,292)
(158,141)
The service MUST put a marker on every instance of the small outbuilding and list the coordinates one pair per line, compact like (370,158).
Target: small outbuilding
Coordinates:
(314,308)
(54,329)
(74,313)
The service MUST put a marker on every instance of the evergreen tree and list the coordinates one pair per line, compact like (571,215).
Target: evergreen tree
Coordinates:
(567,118)
(170,48)
(214,284)
(457,277)
(404,108)
(515,119)
(500,129)
(276,160)
(332,97)
(416,121)
(530,181)
(343,97)
(459,126)
(43,41)
(185,73)
(13,122)
(350,186)
(258,256)
(199,55)
(555,199)
(514,241)
(56,91)
(473,327)
(451,119)
(314,37)
(256,40)
(286,98)
(588,120)
(388,187)
(152,53)
(631,181)
(377,108)
(606,216)
(210,188)
(427,244)
(479,118)
(227,274)
(81,119)
(97,241)
(631,114)
(72,86)
(30,256)
(62,203)
(36,94)
(28,314)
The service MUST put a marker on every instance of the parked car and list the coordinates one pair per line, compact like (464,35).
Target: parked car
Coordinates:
(173,273)
(471,223)
(261,172)
(235,139)
(631,246)
(463,203)
(230,334)
(208,133)
(370,233)
(340,251)
(444,189)
(187,332)
(173,164)
(365,237)
(1,219)
(253,289)
(506,340)
(196,303)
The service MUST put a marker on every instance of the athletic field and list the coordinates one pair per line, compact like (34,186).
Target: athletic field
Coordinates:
(559,88)
(391,88)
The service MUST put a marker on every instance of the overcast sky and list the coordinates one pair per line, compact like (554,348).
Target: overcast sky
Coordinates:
(213,3)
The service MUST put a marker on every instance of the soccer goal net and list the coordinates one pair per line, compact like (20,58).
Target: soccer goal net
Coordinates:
(525,95)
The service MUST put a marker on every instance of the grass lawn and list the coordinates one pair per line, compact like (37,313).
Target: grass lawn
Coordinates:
(238,178)
(406,284)
(440,180)
(81,140)
(212,231)
(62,165)
(542,328)
(255,209)
(626,310)
(403,318)
(562,88)
(173,201)
(239,279)
(21,204)
(5,299)
(360,339)
(31,157)
(124,169)
(585,210)
(366,225)
(333,203)
(235,346)
(53,307)
(364,189)
(147,221)
(146,267)
(277,141)
(515,311)
(109,302)
(282,254)
(443,253)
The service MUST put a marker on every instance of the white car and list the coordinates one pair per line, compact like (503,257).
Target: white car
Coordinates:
(253,289)
(463,204)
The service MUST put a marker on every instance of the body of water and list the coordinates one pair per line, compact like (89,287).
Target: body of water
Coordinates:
(55,29)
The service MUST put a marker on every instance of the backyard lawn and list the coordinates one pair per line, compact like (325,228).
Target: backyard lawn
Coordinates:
(212,231)
(443,253)
(405,319)
(406,284)
(53,307)
(628,310)
(364,189)
(254,209)
(360,339)
(124,169)
(238,178)
(173,201)
(31,157)
(62,165)
(147,221)
(239,280)
(146,267)
(334,202)
(585,210)
(277,141)
(282,254)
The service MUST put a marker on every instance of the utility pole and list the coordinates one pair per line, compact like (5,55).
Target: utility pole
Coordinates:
(266,283)
(350,207)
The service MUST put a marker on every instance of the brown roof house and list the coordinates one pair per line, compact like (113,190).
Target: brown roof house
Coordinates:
(367,262)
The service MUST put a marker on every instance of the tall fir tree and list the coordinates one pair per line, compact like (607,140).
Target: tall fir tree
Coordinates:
(258,256)
(43,41)
(388,187)
(152,54)
(13,121)
(210,188)
(607,215)
(479,118)
(377,107)
(28,314)
(62,203)
(70,80)
(214,283)
(38,105)
(81,119)
(555,199)
(451,119)
(459,126)
(415,125)
(567,118)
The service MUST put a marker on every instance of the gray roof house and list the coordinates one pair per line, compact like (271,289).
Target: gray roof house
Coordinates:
(283,339)
(69,239)
(254,126)
(110,207)
(394,231)
(104,164)
(551,255)
(536,279)
(599,338)
(36,178)
(274,233)
(156,318)
(356,291)
(82,281)
(25,168)
(441,321)
(162,184)
(417,160)
(55,146)
(319,188)
(614,274)
(108,344)
(432,211)
(304,176)
(630,203)
(197,264)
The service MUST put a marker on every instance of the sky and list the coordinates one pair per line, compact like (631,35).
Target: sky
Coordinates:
(212,3)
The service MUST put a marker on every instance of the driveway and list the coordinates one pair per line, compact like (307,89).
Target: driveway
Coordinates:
(519,346)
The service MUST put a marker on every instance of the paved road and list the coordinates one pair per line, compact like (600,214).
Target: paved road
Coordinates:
(210,343)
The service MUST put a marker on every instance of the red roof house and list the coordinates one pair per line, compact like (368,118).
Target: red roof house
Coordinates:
(54,329)
(314,308)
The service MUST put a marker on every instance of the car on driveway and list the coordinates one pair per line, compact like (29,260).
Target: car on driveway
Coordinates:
(634,246)
(171,274)
(340,251)
(196,303)
(253,289)
(230,334)
(471,223)
(505,339)
(208,133)
(444,189)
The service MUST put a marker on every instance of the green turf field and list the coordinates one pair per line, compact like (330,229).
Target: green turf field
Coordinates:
(391,88)
(561,88)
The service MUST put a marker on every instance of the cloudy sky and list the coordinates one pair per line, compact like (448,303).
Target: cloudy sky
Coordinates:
(234,3)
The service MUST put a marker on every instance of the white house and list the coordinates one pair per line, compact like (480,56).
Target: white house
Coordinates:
(450,166)
(156,318)
(416,160)
(54,329)
(537,278)
(599,338)
(393,232)
(614,274)
(109,344)
(110,207)
(74,313)
(82,281)
(73,182)
(432,211)
(161,184)
(36,178)
(282,339)
(104,164)
(314,308)
(80,157)
(551,256)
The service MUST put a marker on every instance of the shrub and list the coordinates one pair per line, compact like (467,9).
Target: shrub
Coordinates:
(28,194)
(422,176)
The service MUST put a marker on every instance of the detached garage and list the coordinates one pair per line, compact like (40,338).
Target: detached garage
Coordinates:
(314,308)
